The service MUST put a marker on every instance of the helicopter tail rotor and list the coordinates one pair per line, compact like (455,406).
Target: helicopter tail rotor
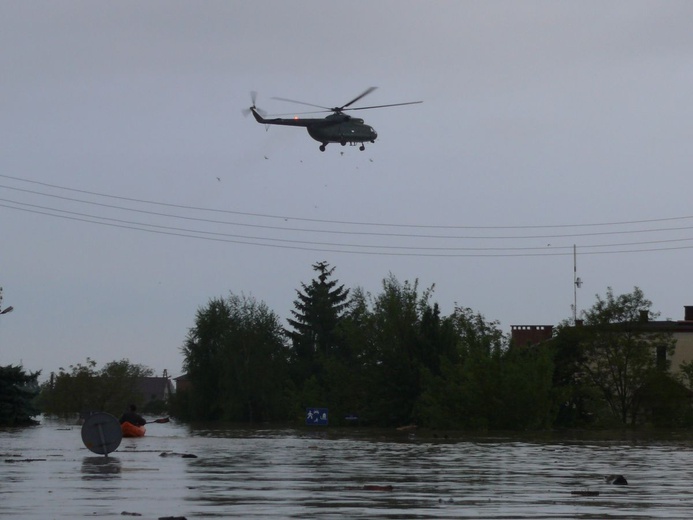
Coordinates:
(247,111)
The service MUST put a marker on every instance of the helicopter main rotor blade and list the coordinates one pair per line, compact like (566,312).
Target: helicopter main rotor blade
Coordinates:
(302,103)
(302,113)
(337,110)
(362,95)
(389,105)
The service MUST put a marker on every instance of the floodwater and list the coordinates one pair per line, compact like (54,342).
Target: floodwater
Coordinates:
(47,473)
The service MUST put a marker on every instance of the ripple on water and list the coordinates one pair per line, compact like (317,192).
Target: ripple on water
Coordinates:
(45,472)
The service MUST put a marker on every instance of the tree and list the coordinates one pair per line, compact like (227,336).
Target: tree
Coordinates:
(236,359)
(348,374)
(480,347)
(524,390)
(408,338)
(119,385)
(255,363)
(71,391)
(316,334)
(318,311)
(465,392)
(483,382)
(203,353)
(85,388)
(17,392)
(574,395)
(620,352)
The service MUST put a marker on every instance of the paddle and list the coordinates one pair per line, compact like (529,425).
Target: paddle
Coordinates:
(160,421)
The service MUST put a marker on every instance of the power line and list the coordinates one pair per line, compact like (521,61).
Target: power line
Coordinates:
(344,222)
(303,245)
(365,233)
(398,248)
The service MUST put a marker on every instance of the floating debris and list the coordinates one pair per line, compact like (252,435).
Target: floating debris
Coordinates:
(373,487)
(585,493)
(181,455)
(618,480)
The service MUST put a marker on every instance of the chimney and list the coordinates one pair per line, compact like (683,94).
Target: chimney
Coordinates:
(688,316)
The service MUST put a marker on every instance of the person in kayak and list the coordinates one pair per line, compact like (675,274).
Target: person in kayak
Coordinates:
(132,417)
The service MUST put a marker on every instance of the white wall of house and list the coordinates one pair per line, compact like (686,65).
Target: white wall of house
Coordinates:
(683,352)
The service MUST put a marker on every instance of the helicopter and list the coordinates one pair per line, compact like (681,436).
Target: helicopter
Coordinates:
(337,127)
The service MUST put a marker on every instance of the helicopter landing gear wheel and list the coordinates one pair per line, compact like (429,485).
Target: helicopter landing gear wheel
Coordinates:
(322,147)
(362,148)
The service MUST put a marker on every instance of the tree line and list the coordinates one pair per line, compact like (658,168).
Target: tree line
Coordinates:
(83,388)
(393,359)
(80,389)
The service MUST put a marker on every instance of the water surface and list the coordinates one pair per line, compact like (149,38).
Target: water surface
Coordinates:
(46,472)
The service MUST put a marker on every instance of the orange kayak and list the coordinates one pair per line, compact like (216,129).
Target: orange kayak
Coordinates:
(130,430)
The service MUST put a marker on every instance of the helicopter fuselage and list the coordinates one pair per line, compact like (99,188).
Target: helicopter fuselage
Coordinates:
(342,129)
(335,128)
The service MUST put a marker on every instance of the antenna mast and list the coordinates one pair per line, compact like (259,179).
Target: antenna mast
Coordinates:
(577,283)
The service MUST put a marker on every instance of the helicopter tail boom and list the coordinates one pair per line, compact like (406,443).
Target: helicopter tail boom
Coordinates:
(256,115)
(290,122)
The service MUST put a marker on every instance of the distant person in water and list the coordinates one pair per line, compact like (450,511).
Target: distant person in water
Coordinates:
(133,417)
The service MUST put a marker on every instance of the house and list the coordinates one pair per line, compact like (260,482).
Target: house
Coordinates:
(182,383)
(527,335)
(681,331)
(155,389)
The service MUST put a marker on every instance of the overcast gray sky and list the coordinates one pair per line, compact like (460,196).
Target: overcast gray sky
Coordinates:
(133,190)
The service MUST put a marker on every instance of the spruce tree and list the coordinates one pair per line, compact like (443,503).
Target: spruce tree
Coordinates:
(319,308)
(17,392)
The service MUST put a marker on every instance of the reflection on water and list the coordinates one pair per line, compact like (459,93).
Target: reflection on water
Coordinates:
(46,472)
(96,467)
